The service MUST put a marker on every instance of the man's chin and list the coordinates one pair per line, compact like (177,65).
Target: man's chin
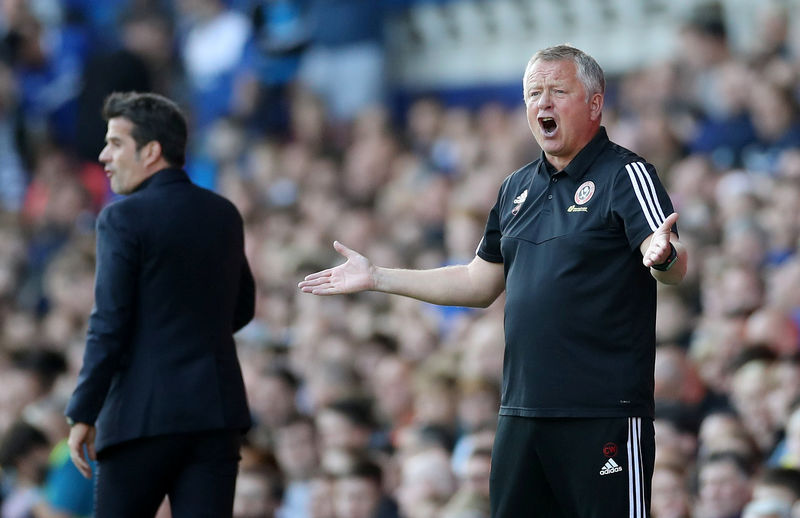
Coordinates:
(119,189)
(548,143)
(552,148)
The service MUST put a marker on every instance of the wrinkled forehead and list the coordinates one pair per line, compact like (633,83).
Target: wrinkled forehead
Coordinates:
(541,70)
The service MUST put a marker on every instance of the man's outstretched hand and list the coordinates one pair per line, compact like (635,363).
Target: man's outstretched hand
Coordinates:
(354,275)
(659,250)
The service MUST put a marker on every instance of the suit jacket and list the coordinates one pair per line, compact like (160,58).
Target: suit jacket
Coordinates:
(172,286)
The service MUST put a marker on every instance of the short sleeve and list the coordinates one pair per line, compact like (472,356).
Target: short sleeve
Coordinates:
(489,247)
(640,202)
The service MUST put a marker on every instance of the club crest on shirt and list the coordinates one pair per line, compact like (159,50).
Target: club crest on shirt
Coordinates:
(584,192)
(518,201)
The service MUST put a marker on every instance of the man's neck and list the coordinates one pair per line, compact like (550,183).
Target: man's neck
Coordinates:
(561,162)
(157,166)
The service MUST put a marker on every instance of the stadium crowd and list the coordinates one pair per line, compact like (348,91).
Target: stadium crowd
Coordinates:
(372,406)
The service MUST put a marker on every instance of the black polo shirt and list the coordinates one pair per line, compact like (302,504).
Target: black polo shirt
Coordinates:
(580,305)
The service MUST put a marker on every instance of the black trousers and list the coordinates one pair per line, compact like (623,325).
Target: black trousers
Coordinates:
(196,470)
(572,468)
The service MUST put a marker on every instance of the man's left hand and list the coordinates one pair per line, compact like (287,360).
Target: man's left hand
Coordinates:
(659,250)
(80,435)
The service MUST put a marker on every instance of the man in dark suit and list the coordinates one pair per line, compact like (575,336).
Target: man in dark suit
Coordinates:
(160,402)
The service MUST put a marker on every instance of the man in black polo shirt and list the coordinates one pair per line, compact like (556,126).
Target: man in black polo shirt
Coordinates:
(577,239)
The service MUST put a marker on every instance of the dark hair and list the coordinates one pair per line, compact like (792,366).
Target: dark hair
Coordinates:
(386,342)
(757,352)
(743,465)
(708,19)
(782,477)
(357,411)
(272,475)
(46,364)
(19,441)
(154,118)
(481,451)
(284,374)
(437,435)
(365,468)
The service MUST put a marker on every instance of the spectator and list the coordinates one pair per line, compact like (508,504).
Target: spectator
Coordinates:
(426,485)
(393,390)
(359,493)
(725,486)
(13,170)
(749,390)
(66,493)
(23,456)
(345,426)
(321,503)
(212,51)
(777,484)
(259,492)
(435,396)
(775,116)
(472,497)
(671,498)
(345,62)
(108,71)
(722,431)
(272,59)
(272,396)
(296,451)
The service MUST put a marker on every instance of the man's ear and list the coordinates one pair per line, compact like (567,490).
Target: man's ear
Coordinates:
(151,152)
(596,106)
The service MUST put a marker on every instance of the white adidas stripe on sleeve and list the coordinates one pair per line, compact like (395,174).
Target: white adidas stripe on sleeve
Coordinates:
(652,187)
(646,194)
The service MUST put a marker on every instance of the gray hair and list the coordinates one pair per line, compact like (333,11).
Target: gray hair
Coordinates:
(589,72)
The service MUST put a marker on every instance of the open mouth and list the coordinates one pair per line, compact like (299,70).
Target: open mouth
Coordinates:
(548,125)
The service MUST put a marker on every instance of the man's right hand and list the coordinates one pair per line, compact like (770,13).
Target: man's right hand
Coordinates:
(356,274)
(79,435)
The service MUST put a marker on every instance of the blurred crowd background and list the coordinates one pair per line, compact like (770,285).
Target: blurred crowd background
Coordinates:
(372,406)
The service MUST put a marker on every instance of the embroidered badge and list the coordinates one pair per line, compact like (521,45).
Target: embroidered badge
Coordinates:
(584,192)
(609,449)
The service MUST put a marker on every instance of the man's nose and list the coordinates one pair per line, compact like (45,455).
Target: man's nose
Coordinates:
(544,100)
(103,155)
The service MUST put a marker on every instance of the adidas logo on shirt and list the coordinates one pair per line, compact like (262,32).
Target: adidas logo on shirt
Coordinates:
(610,467)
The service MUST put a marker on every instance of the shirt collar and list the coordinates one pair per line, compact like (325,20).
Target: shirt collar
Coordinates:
(578,165)
(162,177)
